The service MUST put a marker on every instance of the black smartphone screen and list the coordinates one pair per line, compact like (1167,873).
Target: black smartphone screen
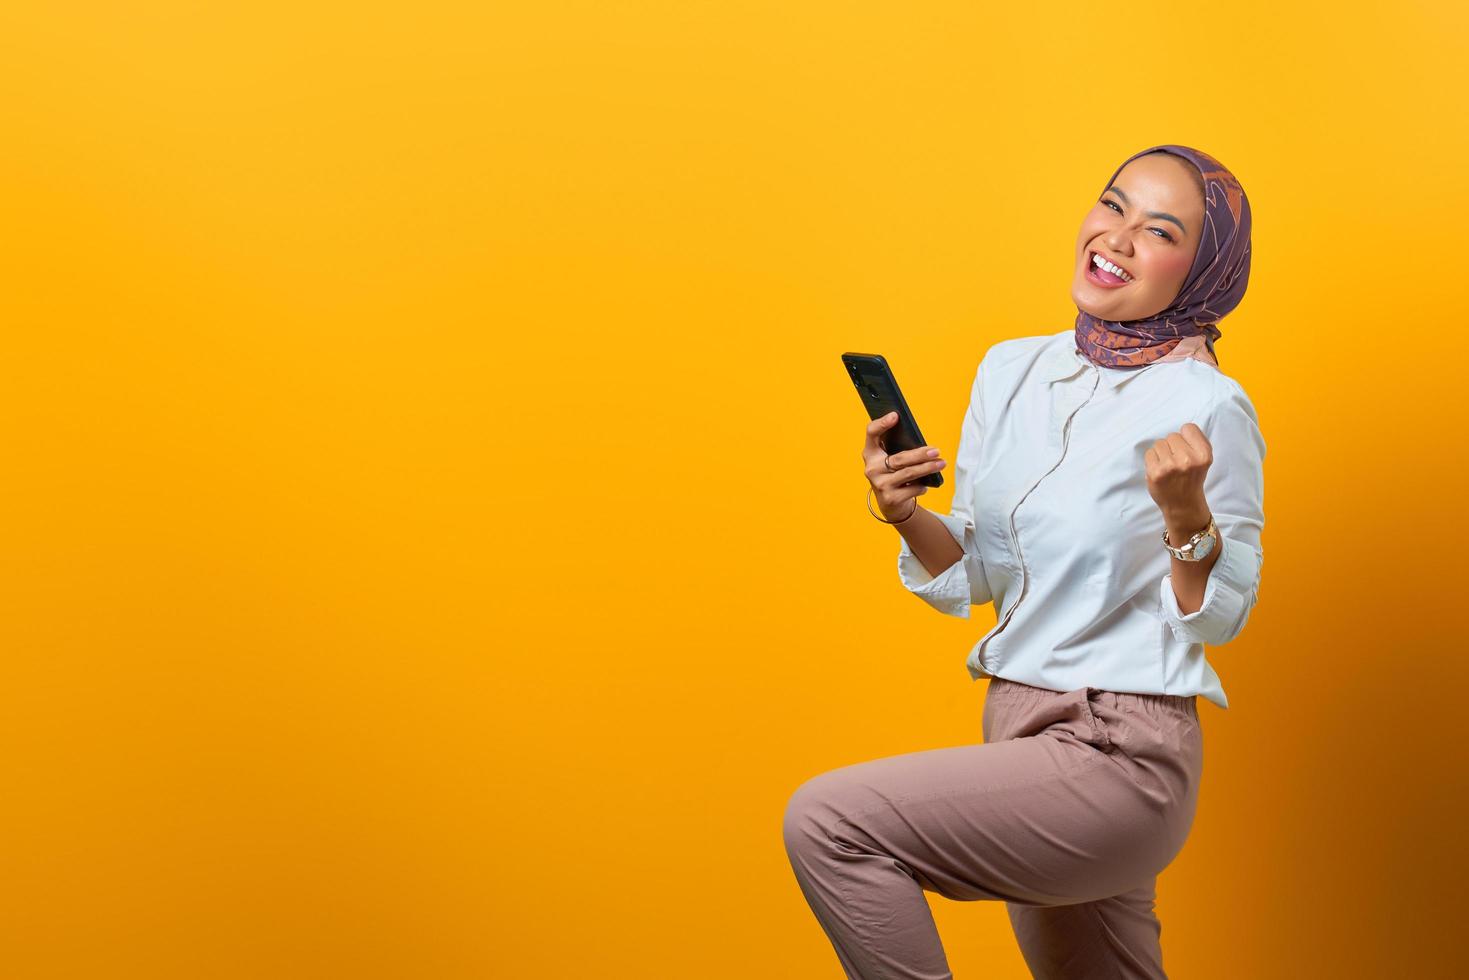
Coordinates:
(880,394)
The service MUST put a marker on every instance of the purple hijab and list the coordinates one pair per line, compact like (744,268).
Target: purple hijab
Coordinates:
(1214,285)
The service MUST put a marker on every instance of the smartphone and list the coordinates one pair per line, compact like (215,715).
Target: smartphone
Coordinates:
(874,381)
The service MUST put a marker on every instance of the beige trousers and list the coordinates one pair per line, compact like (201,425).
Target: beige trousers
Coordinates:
(1067,812)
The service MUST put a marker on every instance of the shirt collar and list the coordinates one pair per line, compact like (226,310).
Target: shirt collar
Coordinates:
(1062,361)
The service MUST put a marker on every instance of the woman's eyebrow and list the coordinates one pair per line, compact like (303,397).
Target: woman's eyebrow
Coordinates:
(1161,215)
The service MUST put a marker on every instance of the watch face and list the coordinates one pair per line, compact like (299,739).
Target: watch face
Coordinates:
(1205,545)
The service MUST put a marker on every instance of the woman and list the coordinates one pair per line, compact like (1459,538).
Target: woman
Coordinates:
(1080,449)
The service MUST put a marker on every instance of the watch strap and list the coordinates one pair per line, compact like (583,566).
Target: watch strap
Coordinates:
(1185,551)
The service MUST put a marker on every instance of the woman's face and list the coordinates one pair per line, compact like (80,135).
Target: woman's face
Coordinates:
(1147,223)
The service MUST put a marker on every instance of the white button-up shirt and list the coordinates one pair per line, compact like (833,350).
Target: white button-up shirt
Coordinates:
(1051,507)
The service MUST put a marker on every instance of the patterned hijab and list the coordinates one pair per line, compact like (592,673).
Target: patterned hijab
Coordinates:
(1214,285)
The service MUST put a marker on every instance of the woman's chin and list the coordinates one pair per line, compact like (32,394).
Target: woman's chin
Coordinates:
(1117,305)
(1088,304)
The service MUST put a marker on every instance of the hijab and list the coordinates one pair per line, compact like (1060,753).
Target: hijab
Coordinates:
(1214,286)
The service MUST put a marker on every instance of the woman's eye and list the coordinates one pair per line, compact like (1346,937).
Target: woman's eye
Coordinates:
(1113,205)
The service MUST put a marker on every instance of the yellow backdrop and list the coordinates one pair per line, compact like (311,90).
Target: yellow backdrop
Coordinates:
(435,543)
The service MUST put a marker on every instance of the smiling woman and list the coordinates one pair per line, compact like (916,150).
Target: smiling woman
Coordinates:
(1109,504)
(1147,225)
(1140,275)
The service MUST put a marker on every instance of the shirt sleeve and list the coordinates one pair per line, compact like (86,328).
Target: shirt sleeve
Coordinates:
(963,583)
(1235,490)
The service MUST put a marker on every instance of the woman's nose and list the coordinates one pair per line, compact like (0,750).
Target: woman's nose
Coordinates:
(1117,241)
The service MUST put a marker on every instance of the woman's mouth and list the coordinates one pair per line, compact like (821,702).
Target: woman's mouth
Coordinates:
(1100,276)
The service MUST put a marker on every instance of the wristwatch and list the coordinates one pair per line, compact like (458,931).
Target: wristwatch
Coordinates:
(1196,548)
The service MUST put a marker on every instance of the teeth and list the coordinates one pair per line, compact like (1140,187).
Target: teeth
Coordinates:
(1097,260)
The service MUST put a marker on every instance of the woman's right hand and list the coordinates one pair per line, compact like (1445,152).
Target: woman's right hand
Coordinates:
(894,489)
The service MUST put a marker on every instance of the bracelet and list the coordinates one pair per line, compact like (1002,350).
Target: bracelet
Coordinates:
(879,517)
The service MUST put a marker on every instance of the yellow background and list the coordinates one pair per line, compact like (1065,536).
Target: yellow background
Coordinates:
(435,542)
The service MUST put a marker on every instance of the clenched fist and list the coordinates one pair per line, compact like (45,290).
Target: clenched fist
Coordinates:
(1176,465)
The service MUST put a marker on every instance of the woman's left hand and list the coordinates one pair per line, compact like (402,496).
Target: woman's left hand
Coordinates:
(1176,466)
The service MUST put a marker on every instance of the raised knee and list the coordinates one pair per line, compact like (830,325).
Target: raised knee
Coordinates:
(809,815)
